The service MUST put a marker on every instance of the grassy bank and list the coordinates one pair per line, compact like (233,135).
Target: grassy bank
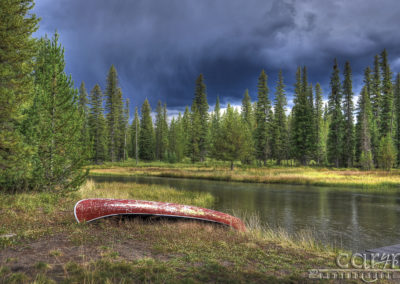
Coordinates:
(41,241)
(371,181)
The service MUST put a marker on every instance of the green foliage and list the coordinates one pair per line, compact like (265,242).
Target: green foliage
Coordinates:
(364,125)
(263,120)
(397,117)
(115,123)
(335,137)
(231,138)
(319,126)
(387,114)
(161,132)
(17,49)
(200,106)
(302,128)
(134,134)
(249,123)
(97,126)
(55,123)
(280,132)
(386,153)
(84,112)
(348,109)
(214,128)
(146,133)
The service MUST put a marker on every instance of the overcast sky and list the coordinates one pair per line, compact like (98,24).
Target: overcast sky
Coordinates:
(160,47)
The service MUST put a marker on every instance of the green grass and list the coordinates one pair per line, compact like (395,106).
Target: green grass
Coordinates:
(345,179)
(50,246)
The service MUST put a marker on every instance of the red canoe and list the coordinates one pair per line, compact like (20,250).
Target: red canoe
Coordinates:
(96,208)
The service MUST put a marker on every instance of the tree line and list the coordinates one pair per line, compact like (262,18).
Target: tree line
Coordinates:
(49,130)
(334,134)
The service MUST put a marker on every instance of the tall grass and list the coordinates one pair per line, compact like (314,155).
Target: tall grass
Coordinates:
(144,192)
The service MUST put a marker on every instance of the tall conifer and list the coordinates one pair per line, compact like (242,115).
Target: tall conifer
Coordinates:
(348,109)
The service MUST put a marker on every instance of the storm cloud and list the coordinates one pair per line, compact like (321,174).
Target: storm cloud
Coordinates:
(160,47)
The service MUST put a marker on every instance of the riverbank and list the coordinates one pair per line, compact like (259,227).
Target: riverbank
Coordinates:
(41,241)
(370,181)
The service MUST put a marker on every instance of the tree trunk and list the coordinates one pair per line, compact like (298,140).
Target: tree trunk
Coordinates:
(231,165)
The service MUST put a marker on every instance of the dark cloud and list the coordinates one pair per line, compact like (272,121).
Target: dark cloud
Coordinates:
(160,47)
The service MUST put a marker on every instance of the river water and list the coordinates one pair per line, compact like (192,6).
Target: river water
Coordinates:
(342,218)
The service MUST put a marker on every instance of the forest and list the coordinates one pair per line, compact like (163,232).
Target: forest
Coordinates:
(50,130)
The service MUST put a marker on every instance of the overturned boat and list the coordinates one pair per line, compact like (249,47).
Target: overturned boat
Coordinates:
(87,210)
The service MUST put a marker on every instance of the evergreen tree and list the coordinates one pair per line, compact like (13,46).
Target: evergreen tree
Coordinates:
(280,136)
(84,111)
(125,128)
(335,137)
(375,93)
(195,132)
(364,122)
(397,116)
(248,120)
(386,153)
(370,86)
(56,123)
(262,117)
(186,124)
(311,134)
(247,109)
(302,130)
(146,133)
(319,125)
(161,132)
(231,137)
(134,133)
(348,109)
(387,114)
(97,126)
(113,108)
(175,140)
(200,106)
(215,123)
(17,49)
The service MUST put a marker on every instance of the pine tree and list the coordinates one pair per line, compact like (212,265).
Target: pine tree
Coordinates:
(397,116)
(262,117)
(186,124)
(195,132)
(302,130)
(370,86)
(84,111)
(364,122)
(231,137)
(122,124)
(248,120)
(335,137)
(311,135)
(97,126)
(319,125)
(161,132)
(348,109)
(125,128)
(279,124)
(175,140)
(215,125)
(247,109)
(56,123)
(17,49)
(200,105)
(146,133)
(375,93)
(134,133)
(387,114)
(113,109)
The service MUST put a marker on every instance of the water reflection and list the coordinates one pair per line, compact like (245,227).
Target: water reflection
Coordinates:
(354,221)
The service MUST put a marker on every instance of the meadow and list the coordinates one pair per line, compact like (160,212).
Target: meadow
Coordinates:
(41,242)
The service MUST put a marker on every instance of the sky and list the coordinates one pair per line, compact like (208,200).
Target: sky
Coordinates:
(159,47)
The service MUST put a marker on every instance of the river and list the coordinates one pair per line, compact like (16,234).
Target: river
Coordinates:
(342,218)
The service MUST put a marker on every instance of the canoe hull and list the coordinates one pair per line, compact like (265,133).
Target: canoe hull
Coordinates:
(87,210)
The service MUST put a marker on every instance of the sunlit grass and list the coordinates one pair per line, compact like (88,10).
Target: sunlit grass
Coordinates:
(370,181)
